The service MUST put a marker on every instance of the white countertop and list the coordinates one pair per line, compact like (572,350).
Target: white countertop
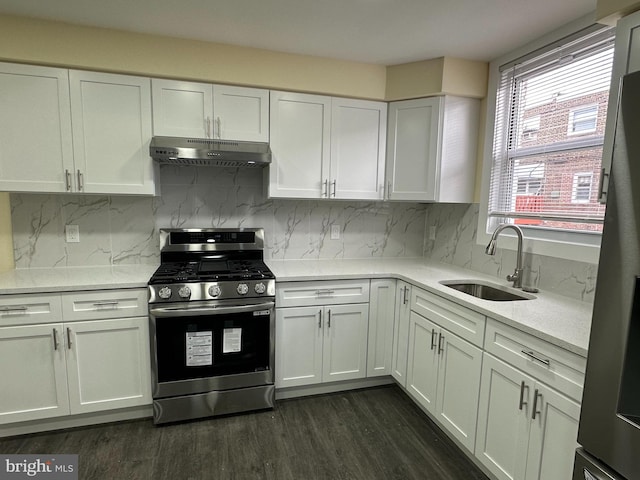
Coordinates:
(559,320)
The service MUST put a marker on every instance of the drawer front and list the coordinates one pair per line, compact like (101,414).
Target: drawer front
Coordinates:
(105,304)
(29,309)
(302,294)
(457,319)
(555,366)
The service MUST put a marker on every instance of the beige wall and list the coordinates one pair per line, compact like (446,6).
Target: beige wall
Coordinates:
(53,43)
(6,239)
(608,11)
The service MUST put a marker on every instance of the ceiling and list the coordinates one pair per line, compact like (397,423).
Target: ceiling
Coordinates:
(384,32)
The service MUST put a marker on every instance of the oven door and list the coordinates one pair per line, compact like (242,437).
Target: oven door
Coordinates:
(200,347)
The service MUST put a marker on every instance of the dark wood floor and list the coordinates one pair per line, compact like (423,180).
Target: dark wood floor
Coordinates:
(366,434)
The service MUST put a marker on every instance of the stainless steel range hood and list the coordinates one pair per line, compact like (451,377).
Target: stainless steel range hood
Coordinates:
(207,152)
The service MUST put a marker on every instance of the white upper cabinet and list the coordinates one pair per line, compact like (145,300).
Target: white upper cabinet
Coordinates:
(35,128)
(432,149)
(202,110)
(326,147)
(111,133)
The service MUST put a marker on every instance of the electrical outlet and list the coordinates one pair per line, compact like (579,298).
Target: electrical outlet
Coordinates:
(432,232)
(335,232)
(73,233)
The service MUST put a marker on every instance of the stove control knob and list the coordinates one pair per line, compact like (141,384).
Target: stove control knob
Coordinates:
(184,292)
(242,289)
(164,292)
(214,290)
(260,288)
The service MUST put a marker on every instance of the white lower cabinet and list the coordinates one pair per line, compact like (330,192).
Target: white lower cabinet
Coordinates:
(526,430)
(65,368)
(443,375)
(382,305)
(321,344)
(401,333)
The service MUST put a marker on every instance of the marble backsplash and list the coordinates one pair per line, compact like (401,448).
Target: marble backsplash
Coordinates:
(455,243)
(124,229)
(117,230)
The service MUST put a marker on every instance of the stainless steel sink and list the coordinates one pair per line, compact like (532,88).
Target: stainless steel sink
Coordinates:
(487,291)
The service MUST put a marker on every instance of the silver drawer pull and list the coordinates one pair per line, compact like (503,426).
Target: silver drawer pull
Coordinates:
(68,338)
(434,334)
(55,339)
(535,404)
(324,292)
(103,305)
(16,309)
(533,356)
(440,342)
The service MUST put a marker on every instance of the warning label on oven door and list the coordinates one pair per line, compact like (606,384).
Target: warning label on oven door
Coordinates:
(199,349)
(232,340)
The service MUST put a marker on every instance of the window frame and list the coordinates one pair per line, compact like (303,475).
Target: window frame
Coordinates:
(578,246)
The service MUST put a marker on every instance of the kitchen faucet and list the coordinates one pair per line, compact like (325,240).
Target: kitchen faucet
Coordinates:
(516,277)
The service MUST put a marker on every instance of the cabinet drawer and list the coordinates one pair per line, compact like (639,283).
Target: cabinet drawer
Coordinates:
(301,294)
(457,319)
(104,304)
(555,366)
(29,309)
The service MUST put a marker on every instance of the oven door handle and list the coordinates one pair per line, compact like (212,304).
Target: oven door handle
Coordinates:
(197,311)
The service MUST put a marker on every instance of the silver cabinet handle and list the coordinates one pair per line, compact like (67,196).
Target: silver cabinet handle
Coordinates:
(69,338)
(440,342)
(325,292)
(219,126)
(325,187)
(320,318)
(207,127)
(533,356)
(106,303)
(433,338)
(389,189)
(329,318)
(522,401)
(80,181)
(535,410)
(16,309)
(67,179)
(405,300)
(55,339)
(334,189)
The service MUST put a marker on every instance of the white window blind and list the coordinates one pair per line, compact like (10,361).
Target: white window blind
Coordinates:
(550,119)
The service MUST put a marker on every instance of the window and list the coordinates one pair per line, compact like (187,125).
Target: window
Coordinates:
(581,191)
(547,141)
(583,120)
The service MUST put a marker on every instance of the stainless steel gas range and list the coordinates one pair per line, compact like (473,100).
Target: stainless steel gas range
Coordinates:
(211,310)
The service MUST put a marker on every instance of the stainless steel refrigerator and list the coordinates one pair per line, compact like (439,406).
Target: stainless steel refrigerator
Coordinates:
(609,431)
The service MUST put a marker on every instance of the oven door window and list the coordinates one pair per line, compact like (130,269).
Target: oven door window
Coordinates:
(211,345)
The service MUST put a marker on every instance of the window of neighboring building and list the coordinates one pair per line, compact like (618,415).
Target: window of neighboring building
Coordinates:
(583,120)
(581,191)
(535,154)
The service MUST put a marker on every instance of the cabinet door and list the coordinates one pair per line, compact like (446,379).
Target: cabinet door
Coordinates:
(111,133)
(300,142)
(413,149)
(35,129)
(381,314)
(553,437)
(358,138)
(401,333)
(503,420)
(345,342)
(182,109)
(241,113)
(299,335)
(32,369)
(108,364)
(422,364)
(459,368)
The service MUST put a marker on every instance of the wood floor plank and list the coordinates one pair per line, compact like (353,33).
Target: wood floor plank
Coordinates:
(367,434)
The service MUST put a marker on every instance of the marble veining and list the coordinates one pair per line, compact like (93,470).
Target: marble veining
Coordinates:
(455,244)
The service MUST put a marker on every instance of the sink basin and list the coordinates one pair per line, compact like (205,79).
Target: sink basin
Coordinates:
(487,291)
